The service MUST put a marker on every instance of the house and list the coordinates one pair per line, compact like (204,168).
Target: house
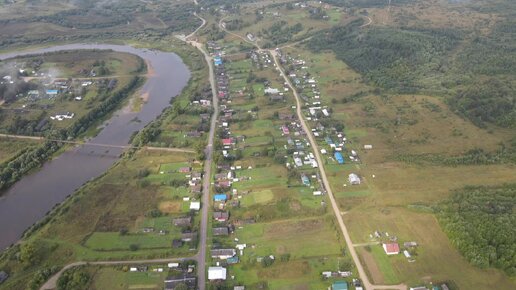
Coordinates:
(3,276)
(177,243)
(275,98)
(271,91)
(391,248)
(305,180)
(339,157)
(188,237)
(223,254)
(193,134)
(196,188)
(217,61)
(239,288)
(368,146)
(220,197)
(216,273)
(222,231)
(418,288)
(406,254)
(220,216)
(285,130)
(182,221)
(228,141)
(339,285)
(354,179)
(410,244)
(51,93)
(195,205)
(62,116)
(232,260)
(172,282)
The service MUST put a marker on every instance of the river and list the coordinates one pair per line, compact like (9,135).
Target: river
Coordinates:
(27,201)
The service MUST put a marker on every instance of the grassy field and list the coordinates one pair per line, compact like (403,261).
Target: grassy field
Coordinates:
(9,147)
(110,278)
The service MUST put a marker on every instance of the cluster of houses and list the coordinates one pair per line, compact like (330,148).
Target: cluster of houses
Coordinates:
(334,142)
(260,59)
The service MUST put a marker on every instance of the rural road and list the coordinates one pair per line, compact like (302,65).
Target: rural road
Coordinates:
(201,261)
(361,271)
(201,269)
(52,282)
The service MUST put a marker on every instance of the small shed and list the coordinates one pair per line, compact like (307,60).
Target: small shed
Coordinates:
(195,205)
(354,179)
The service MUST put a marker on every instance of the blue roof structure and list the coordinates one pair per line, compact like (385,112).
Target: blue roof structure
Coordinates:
(220,197)
(339,158)
(232,260)
(305,180)
(339,285)
(52,92)
(217,60)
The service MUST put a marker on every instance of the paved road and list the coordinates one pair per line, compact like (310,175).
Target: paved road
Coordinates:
(363,276)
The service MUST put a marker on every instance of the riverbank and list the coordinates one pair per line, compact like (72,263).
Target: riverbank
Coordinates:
(61,176)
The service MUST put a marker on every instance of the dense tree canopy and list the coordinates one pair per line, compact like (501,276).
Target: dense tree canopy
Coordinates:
(481,223)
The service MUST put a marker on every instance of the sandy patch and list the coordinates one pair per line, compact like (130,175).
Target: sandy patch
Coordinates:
(150,70)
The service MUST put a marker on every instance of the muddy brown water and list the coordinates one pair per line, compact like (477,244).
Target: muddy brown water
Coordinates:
(28,201)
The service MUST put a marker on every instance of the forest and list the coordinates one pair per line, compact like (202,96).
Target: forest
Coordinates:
(393,58)
(481,224)
(487,101)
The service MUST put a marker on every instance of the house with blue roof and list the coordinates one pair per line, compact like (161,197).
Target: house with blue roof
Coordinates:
(339,158)
(220,197)
(305,180)
(339,285)
(217,60)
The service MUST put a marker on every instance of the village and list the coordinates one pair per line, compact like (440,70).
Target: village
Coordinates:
(44,93)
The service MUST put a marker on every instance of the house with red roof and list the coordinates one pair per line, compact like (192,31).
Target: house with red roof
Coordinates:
(391,248)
